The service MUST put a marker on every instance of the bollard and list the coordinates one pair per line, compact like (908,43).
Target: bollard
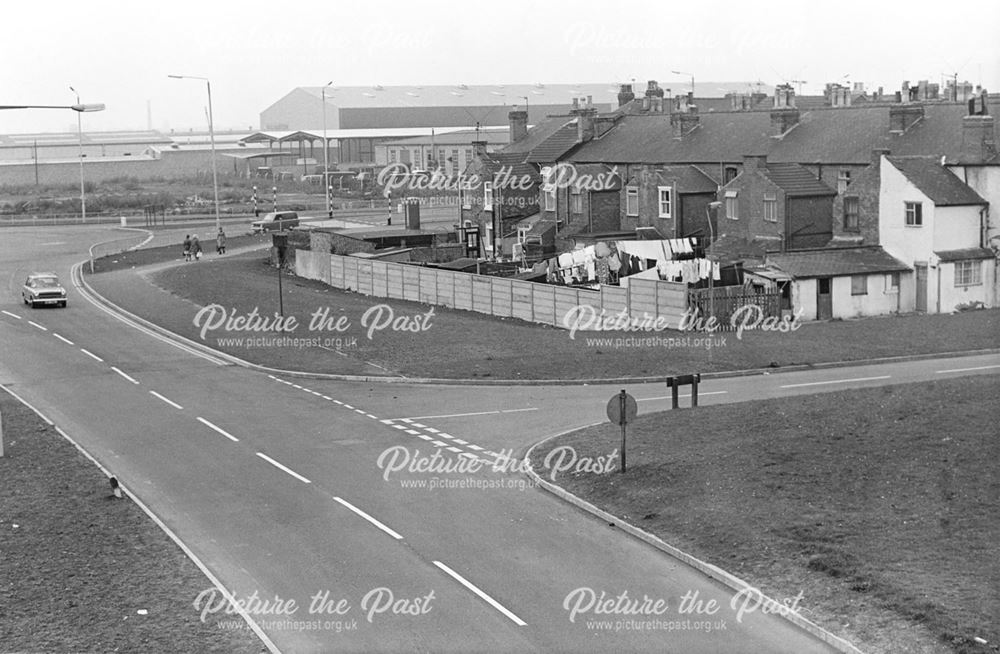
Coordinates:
(1,433)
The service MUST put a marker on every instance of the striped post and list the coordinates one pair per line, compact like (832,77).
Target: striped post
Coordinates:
(274,192)
(256,211)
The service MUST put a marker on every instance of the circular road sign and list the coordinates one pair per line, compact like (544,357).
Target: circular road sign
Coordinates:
(615,413)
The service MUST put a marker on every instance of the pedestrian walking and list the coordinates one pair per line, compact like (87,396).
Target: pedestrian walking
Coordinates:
(195,248)
(220,242)
(187,247)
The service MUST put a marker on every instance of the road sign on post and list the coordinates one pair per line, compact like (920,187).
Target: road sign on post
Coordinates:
(622,409)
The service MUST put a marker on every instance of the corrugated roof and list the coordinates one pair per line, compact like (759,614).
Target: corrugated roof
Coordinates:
(492,135)
(553,148)
(796,181)
(965,254)
(463,95)
(836,262)
(936,182)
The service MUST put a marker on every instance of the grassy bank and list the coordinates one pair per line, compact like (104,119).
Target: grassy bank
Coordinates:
(878,505)
(461,344)
(81,571)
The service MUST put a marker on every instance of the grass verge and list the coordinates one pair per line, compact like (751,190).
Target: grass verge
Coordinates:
(77,565)
(878,505)
(467,345)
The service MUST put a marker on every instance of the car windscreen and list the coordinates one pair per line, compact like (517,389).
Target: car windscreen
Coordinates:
(45,282)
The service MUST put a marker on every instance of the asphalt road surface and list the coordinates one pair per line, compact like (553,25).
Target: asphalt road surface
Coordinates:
(313,491)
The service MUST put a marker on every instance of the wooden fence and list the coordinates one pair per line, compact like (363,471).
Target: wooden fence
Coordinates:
(729,299)
(559,306)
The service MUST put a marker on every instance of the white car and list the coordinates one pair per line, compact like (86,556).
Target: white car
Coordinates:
(43,288)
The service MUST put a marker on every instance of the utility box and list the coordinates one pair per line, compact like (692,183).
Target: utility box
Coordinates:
(411,209)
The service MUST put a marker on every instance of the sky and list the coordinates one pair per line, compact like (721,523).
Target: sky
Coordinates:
(120,53)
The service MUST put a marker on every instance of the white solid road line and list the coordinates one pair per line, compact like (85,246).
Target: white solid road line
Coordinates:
(12,315)
(370,519)
(35,324)
(221,431)
(283,468)
(463,415)
(92,355)
(63,339)
(837,381)
(124,375)
(489,600)
(942,372)
(667,397)
(167,400)
(27,404)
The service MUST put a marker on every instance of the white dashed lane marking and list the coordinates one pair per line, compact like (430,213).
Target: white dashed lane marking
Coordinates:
(283,468)
(92,355)
(35,324)
(63,339)
(166,399)
(125,375)
(12,315)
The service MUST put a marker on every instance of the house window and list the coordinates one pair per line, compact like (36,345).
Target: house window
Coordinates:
(454,162)
(575,200)
(440,161)
(392,155)
(664,201)
(859,284)
(416,156)
(468,156)
(729,174)
(465,190)
(914,214)
(851,205)
(770,207)
(487,195)
(549,188)
(968,273)
(892,283)
(843,179)
(732,205)
(631,201)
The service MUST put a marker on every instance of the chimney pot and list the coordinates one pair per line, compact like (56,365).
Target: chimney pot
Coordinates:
(518,121)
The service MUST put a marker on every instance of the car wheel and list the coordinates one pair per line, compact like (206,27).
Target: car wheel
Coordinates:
(31,303)
(63,304)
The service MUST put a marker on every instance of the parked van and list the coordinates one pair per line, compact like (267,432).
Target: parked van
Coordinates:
(275,221)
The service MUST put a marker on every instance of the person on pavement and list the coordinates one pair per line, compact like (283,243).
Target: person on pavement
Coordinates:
(187,247)
(220,242)
(195,248)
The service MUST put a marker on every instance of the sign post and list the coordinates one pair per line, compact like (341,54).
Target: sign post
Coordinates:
(622,409)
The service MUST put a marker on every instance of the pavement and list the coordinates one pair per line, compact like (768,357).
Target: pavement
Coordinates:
(358,500)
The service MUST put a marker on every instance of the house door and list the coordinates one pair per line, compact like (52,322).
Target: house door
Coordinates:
(920,269)
(824,299)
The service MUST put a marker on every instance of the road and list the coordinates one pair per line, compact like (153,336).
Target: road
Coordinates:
(280,486)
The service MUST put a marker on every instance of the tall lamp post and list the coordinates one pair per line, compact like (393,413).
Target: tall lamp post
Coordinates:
(79,109)
(326,156)
(211,136)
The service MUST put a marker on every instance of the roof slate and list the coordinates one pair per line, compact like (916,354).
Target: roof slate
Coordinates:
(554,147)
(836,262)
(843,135)
(690,179)
(797,181)
(935,181)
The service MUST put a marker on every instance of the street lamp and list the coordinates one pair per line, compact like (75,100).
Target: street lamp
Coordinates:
(691,75)
(326,156)
(79,109)
(211,136)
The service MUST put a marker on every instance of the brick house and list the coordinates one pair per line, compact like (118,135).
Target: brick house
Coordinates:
(781,204)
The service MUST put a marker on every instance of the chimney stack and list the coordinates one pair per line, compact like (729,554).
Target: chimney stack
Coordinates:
(877,155)
(754,162)
(784,115)
(653,102)
(585,119)
(479,148)
(625,95)
(518,121)
(978,143)
(902,117)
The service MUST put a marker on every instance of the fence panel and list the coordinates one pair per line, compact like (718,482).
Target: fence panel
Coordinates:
(351,274)
(365,277)
(380,279)
(614,300)
(501,290)
(446,289)
(427,285)
(395,286)
(521,300)
(482,294)
(463,291)
(544,304)
(411,282)
(336,271)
